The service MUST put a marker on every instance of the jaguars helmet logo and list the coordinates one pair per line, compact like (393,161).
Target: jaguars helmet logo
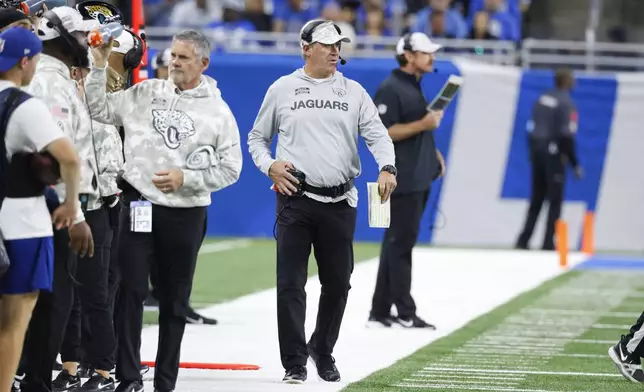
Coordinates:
(174,125)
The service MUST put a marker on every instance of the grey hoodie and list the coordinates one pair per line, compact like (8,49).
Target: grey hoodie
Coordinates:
(166,128)
(319,121)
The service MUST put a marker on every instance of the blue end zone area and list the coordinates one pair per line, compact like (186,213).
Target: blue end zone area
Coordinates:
(247,209)
(611,263)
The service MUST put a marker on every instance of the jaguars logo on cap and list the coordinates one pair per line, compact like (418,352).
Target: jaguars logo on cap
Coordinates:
(100,11)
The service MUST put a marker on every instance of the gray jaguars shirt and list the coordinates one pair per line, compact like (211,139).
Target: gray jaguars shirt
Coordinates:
(318,122)
(193,130)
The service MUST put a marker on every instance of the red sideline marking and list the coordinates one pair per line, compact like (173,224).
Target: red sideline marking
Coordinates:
(209,366)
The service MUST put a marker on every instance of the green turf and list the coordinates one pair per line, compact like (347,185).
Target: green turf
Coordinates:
(457,370)
(230,274)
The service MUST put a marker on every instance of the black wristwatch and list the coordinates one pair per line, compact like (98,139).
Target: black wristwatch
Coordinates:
(390,169)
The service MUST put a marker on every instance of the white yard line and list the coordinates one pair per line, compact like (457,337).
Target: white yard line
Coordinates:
(505,371)
(443,284)
(619,327)
(443,387)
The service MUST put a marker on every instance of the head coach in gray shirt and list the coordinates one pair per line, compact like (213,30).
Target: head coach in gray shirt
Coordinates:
(318,114)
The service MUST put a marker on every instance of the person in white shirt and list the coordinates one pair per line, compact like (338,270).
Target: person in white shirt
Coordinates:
(25,222)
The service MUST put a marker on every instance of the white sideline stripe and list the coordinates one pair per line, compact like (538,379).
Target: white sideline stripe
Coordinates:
(472,388)
(223,246)
(500,371)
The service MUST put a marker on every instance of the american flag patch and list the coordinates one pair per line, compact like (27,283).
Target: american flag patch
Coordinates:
(59,111)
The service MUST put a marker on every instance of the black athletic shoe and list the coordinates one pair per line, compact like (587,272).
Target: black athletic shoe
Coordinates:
(195,318)
(98,383)
(130,386)
(17,382)
(84,371)
(295,375)
(144,369)
(630,366)
(325,365)
(380,322)
(65,382)
(414,322)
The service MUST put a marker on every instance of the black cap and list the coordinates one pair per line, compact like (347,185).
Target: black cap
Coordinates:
(9,16)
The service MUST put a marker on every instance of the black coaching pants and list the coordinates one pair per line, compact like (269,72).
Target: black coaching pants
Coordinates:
(177,234)
(329,227)
(548,182)
(90,331)
(393,284)
(50,317)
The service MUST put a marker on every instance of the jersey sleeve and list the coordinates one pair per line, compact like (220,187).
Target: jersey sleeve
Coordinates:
(568,120)
(57,104)
(388,104)
(34,125)
(264,129)
(374,133)
(107,107)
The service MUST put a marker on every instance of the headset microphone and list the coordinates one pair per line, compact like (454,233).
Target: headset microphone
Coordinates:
(342,61)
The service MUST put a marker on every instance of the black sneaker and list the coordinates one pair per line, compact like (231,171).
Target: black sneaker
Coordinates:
(98,383)
(144,369)
(414,322)
(380,322)
(295,375)
(130,386)
(325,365)
(630,366)
(17,382)
(84,371)
(195,318)
(65,381)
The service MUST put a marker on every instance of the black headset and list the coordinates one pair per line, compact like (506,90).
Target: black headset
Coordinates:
(407,43)
(133,57)
(307,33)
(77,50)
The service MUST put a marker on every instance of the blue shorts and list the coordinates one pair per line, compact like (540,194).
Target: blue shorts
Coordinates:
(32,266)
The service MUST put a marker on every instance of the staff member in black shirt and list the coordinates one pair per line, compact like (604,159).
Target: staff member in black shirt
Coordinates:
(552,132)
(403,110)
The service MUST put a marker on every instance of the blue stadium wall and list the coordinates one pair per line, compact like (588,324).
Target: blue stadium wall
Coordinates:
(483,198)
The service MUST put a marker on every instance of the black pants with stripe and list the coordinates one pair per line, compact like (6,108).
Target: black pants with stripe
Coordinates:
(393,284)
(635,338)
(328,227)
(173,244)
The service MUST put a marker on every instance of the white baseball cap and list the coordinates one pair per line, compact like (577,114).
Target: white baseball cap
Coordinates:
(125,42)
(325,33)
(417,42)
(71,19)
